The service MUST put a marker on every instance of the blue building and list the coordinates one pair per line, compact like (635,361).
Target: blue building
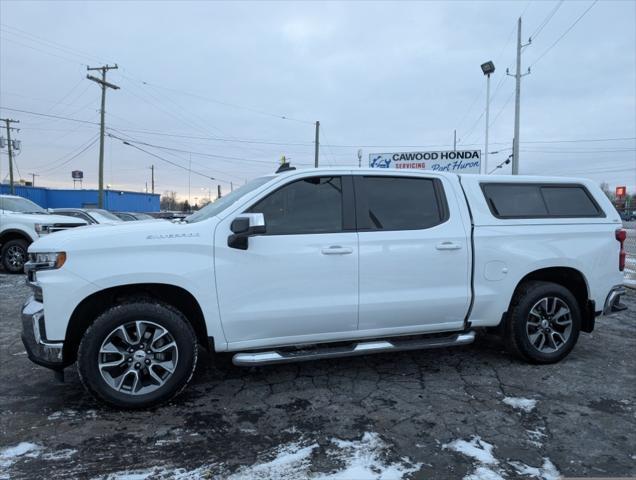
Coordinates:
(114,200)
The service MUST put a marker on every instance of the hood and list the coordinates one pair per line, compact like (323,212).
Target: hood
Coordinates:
(116,235)
(43,218)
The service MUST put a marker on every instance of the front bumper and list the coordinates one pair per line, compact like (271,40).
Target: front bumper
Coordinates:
(613,300)
(40,351)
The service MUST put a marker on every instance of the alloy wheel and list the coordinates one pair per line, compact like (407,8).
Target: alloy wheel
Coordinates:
(138,357)
(549,324)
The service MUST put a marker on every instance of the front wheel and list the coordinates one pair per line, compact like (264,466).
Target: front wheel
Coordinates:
(543,323)
(137,355)
(14,255)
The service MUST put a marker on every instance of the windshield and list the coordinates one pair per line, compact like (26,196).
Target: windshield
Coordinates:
(103,215)
(21,205)
(222,203)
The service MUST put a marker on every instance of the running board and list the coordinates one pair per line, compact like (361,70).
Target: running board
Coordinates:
(360,348)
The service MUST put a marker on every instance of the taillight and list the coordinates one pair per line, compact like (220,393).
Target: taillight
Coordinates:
(621,236)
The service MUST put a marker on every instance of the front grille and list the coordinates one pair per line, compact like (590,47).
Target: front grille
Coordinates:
(58,227)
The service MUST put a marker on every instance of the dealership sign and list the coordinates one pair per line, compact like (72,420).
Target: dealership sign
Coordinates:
(457,161)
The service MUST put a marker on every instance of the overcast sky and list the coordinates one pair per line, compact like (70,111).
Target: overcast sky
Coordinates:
(215,79)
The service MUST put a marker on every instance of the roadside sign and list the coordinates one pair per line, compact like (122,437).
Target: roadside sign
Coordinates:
(457,161)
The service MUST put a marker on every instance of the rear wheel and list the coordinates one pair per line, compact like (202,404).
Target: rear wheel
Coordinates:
(14,255)
(543,323)
(137,355)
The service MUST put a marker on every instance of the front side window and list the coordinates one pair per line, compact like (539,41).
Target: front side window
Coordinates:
(310,205)
(401,203)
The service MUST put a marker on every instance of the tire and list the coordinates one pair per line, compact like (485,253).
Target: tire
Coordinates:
(14,255)
(169,355)
(538,311)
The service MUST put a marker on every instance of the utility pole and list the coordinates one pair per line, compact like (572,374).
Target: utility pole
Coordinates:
(33,175)
(152,178)
(8,122)
(454,140)
(317,144)
(104,84)
(517,75)
(218,192)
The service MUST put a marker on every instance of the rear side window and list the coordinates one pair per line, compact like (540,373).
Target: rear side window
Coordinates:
(402,203)
(569,201)
(512,200)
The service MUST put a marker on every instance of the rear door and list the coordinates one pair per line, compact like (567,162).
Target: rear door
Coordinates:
(414,254)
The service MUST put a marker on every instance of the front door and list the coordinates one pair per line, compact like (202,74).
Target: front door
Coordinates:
(299,281)
(414,255)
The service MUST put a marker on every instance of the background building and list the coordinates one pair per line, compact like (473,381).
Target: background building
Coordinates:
(115,200)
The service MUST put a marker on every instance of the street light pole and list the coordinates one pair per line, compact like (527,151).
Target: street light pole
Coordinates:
(488,68)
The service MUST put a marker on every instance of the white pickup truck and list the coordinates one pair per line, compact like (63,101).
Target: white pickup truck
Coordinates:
(325,263)
(22,222)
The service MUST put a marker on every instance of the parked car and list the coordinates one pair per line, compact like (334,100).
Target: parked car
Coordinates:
(628,216)
(326,263)
(22,222)
(169,215)
(89,215)
(133,216)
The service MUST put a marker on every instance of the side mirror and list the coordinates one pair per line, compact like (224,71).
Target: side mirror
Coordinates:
(243,227)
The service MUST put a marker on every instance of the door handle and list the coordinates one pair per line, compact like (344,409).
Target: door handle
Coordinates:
(336,250)
(448,246)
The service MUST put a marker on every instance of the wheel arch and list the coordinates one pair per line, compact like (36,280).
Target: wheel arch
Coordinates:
(14,234)
(95,304)
(570,278)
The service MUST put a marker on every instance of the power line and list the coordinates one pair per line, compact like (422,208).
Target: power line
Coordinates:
(51,169)
(59,117)
(581,151)
(472,104)
(546,20)
(83,145)
(357,145)
(212,155)
(226,104)
(125,142)
(48,43)
(563,34)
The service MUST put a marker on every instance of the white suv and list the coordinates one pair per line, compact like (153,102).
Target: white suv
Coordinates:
(21,223)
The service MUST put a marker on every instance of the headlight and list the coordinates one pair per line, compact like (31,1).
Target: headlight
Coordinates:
(41,229)
(42,261)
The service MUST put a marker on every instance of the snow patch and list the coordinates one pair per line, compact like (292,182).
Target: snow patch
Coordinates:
(289,461)
(10,455)
(476,448)
(59,454)
(484,473)
(361,459)
(69,414)
(536,436)
(547,471)
(525,404)
(488,467)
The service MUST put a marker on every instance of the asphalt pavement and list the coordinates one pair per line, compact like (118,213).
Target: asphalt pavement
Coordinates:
(425,414)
